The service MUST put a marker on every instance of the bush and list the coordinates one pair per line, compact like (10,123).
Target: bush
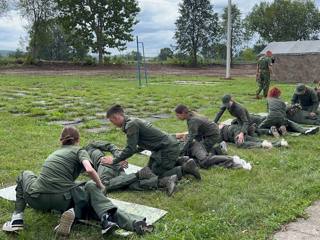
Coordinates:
(89,61)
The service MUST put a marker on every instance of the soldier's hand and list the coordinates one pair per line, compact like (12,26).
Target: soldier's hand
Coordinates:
(240,138)
(312,114)
(124,164)
(107,160)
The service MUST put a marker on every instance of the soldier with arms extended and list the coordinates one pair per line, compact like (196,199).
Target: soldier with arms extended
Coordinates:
(203,141)
(56,189)
(115,178)
(243,119)
(141,135)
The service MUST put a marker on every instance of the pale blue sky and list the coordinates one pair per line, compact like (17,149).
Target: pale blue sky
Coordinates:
(155,28)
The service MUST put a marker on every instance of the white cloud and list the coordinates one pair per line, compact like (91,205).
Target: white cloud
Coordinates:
(11,30)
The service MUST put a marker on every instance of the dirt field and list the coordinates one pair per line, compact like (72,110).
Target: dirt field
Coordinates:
(216,70)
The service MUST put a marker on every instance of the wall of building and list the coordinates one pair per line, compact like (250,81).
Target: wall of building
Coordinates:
(297,68)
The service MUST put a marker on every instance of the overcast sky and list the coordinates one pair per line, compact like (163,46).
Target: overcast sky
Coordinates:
(155,28)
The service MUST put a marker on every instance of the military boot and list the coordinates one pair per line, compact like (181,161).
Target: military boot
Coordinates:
(141,227)
(283,130)
(312,130)
(169,183)
(190,167)
(274,132)
(145,173)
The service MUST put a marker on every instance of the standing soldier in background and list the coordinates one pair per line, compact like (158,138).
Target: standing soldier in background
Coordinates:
(263,74)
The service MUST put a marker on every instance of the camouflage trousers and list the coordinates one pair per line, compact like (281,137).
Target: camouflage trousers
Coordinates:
(263,83)
(205,159)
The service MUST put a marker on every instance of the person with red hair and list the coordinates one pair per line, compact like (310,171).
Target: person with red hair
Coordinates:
(277,119)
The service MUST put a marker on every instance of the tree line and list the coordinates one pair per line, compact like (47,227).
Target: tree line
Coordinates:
(71,29)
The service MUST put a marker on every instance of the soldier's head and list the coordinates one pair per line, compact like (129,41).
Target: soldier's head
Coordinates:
(182,112)
(227,101)
(274,92)
(300,89)
(269,53)
(69,136)
(116,115)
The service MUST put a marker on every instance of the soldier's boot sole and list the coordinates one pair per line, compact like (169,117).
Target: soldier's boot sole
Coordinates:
(66,221)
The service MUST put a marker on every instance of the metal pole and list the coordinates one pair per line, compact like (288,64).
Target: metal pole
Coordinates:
(138,63)
(228,41)
(144,64)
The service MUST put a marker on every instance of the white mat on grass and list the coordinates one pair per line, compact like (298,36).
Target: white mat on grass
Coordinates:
(132,169)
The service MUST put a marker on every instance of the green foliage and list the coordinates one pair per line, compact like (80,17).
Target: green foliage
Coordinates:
(285,20)
(101,24)
(165,53)
(50,41)
(196,27)
(248,55)
(238,32)
(38,13)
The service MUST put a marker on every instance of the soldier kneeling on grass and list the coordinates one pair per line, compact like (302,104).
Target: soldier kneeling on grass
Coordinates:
(115,178)
(203,142)
(55,189)
(141,135)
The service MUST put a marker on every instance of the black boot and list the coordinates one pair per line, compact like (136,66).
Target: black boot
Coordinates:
(190,167)
(108,226)
(141,227)
(145,173)
(169,183)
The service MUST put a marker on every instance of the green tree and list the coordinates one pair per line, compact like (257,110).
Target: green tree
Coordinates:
(196,27)
(285,20)
(165,53)
(238,33)
(38,13)
(101,24)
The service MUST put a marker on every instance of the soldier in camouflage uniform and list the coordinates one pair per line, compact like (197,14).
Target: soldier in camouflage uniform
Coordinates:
(141,135)
(263,74)
(115,178)
(203,141)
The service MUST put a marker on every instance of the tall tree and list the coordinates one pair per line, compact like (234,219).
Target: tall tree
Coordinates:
(285,20)
(4,6)
(196,27)
(102,24)
(38,13)
(238,33)
(165,53)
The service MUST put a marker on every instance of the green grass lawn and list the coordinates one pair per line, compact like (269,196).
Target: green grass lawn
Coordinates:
(226,204)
